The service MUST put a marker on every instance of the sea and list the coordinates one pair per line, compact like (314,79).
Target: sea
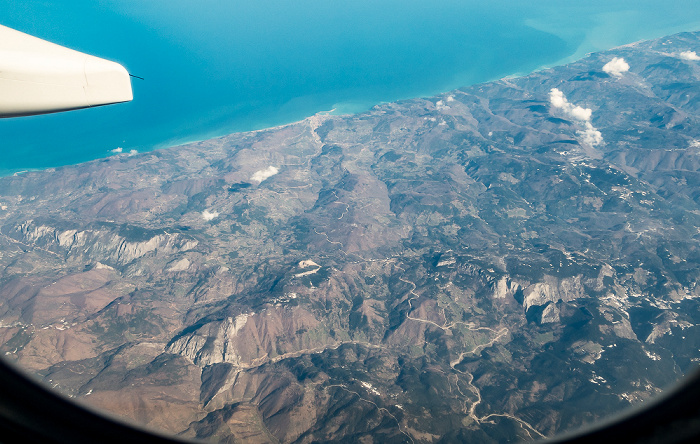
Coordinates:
(214,67)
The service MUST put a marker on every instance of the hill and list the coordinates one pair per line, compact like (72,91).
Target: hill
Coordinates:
(503,261)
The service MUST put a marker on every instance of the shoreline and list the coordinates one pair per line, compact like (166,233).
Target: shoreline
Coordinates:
(584,49)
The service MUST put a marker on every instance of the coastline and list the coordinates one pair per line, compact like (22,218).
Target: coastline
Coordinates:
(585,48)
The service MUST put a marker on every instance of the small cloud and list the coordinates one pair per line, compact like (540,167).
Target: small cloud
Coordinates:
(440,104)
(689,55)
(558,100)
(581,113)
(589,134)
(616,66)
(207,215)
(451,98)
(133,152)
(118,149)
(261,175)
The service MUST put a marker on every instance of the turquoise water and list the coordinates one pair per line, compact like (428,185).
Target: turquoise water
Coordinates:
(213,67)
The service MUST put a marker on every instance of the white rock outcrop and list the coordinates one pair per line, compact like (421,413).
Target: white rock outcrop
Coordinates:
(505,288)
(211,347)
(553,290)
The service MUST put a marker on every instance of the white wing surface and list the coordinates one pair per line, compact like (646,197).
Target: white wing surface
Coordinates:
(39,77)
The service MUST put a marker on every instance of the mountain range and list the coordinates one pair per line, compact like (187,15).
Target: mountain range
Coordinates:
(501,262)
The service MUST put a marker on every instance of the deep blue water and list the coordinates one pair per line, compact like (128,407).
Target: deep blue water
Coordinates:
(212,67)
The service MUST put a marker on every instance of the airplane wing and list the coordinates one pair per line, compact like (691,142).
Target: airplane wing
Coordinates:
(39,77)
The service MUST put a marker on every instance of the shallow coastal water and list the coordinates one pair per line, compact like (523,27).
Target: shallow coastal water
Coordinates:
(212,68)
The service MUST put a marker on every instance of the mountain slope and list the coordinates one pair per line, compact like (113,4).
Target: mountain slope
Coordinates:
(504,261)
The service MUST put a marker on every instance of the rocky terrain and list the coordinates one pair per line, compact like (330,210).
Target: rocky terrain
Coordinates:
(501,262)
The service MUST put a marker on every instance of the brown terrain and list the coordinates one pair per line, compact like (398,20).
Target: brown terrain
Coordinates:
(468,267)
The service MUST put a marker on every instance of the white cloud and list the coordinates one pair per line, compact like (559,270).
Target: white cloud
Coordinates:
(581,113)
(261,175)
(689,55)
(558,100)
(133,152)
(451,98)
(440,104)
(589,134)
(209,215)
(117,149)
(616,66)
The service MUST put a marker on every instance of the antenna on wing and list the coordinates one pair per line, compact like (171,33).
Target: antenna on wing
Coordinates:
(137,77)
